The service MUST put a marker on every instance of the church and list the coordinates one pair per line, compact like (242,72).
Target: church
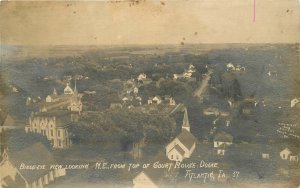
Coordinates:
(184,144)
(69,100)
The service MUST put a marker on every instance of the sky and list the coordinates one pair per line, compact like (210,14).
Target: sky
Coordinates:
(149,22)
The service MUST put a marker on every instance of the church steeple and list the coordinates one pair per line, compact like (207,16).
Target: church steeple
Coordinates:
(185,122)
(54,92)
(75,87)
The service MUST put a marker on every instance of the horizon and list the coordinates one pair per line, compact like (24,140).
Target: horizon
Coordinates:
(149,22)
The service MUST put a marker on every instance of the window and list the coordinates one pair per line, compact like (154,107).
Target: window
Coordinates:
(51,132)
(58,133)
(59,143)
(171,156)
(177,157)
(283,156)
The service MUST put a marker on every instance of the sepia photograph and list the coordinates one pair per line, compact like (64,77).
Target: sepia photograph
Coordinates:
(150,94)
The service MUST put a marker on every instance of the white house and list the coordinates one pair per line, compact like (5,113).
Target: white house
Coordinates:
(154,100)
(211,111)
(287,154)
(184,144)
(294,102)
(230,67)
(135,90)
(142,76)
(172,101)
(284,154)
(265,155)
(222,138)
(169,100)
(68,90)
(192,68)
(294,158)
(221,141)
(12,175)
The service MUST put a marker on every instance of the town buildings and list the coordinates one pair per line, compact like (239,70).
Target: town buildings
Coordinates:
(16,172)
(56,114)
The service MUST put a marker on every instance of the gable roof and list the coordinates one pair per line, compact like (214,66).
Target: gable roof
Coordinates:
(178,148)
(156,97)
(62,117)
(156,175)
(292,150)
(186,138)
(223,137)
(35,154)
(8,121)
(286,149)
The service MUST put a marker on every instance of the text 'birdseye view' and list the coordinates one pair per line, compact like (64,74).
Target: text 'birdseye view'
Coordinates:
(131,113)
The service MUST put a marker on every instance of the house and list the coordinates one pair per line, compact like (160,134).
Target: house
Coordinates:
(265,151)
(146,180)
(265,155)
(184,144)
(53,125)
(154,100)
(182,75)
(135,90)
(142,77)
(294,158)
(68,90)
(222,137)
(154,177)
(221,141)
(138,98)
(172,101)
(284,154)
(125,99)
(14,174)
(247,107)
(191,69)
(221,149)
(211,111)
(53,97)
(169,100)
(231,67)
(294,102)
(289,154)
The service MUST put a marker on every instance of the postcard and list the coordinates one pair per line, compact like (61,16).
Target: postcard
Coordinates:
(150,94)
